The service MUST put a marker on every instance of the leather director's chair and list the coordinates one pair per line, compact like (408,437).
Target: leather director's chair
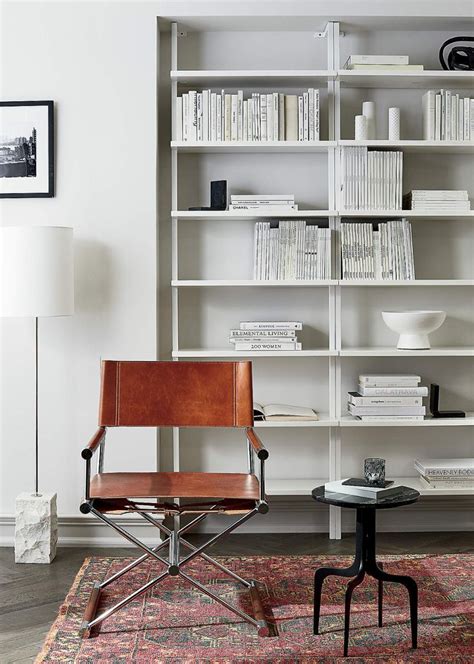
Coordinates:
(175,394)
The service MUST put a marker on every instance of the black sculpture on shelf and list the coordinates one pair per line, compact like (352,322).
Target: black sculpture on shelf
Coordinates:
(434,405)
(218,196)
(460,58)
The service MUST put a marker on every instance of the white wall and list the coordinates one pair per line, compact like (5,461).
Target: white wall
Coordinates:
(97,62)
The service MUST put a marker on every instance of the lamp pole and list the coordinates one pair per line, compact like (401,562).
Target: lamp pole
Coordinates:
(37,494)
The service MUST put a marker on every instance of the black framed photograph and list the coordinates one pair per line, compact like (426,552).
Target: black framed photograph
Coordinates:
(26,149)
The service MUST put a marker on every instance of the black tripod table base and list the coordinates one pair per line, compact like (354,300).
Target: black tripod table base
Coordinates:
(365,563)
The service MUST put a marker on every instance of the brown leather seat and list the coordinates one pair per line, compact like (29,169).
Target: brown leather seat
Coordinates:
(175,485)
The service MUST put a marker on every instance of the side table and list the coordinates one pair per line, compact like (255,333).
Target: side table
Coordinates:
(365,559)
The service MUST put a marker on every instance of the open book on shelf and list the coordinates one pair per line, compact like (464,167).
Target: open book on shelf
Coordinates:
(277,412)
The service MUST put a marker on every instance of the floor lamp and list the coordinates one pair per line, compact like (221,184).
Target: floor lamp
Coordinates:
(36,280)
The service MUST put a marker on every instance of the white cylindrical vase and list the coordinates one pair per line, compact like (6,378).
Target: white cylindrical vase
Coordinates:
(393,124)
(368,109)
(361,128)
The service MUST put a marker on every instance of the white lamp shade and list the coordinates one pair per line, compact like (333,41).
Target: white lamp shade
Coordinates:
(36,271)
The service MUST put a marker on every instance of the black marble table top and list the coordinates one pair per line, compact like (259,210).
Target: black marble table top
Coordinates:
(405,496)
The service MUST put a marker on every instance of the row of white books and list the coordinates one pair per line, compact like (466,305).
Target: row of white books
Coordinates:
(447,116)
(291,250)
(222,116)
(450,200)
(386,397)
(371,180)
(263,202)
(446,473)
(385,253)
(384,62)
(266,336)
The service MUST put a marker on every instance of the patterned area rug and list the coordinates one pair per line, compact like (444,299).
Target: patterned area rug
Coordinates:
(175,623)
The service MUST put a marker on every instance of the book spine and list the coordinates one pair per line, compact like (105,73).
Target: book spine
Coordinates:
(386,401)
(244,345)
(234,119)
(271,325)
(218,118)
(281,117)
(276,121)
(291,117)
(263,117)
(391,418)
(179,119)
(377,60)
(213,118)
(185,117)
(192,116)
(300,118)
(429,102)
(199,133)
(240,115)
(227,117)
(205,115)
(305,116)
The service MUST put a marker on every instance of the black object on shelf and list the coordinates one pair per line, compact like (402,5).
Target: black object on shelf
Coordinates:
(356,481)
(218,196)
(434,405)
(460,58)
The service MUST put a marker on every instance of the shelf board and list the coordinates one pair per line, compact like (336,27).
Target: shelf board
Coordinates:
(468,421)
(411,282)
(290,487)
(249,77)
(228,352)
(419,485)
(253,146)
(324,421)
(229,215)
(407,214)
(458,351)
(253,283)
(357,78)
(447,147)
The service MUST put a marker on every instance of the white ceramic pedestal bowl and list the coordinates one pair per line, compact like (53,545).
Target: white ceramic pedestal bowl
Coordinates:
(413,327)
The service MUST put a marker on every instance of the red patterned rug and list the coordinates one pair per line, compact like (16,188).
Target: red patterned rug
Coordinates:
(175,623)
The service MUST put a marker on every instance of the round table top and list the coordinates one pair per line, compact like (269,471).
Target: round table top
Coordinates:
(404,496)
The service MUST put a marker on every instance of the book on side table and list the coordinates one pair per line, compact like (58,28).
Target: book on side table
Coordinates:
(374,492)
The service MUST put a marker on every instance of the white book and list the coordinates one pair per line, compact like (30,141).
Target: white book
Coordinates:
(305,116)
(385,410)
(281,117)
(250,136)
(213,114)
(437,117)
(358,400)
(286,198)
(205,115)
(439,194)
(219,136)
(269,117)
(240,115)
(452,483)
(373,493)
(275,112)
(316,115)
(391,418)
(233,121)
(447,116)
(227,117)
(466,119)
(262,338)
(460,132)
(199,132)
(311,114)
(192,115)
(185,128)
(377,60)
(179,119)
(389,379)
(263,117)
(445,466)
(471,119)
(278,412)
(429,109)
(245,121)
(267,346)
(454,116)
(263,333)
(267,209)
(393,391)
(256,249)
(270,325)
(387,68)
(300,118)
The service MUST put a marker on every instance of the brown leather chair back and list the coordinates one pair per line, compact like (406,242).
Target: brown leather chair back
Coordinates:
(184,394)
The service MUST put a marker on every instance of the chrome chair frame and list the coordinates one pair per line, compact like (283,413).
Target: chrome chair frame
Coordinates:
(174,540)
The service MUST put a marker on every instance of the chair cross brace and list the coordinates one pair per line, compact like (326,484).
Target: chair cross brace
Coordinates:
(174,567)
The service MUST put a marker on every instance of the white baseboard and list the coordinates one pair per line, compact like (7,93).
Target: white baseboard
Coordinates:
(436,514)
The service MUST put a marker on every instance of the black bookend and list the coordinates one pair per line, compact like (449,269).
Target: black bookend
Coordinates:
(218,196)
(434,405)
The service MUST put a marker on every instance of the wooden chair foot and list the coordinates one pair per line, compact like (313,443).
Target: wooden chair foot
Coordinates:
(265,628)
(91,610)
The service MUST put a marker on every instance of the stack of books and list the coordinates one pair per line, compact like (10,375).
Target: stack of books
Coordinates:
(371,180)
(266,335)
(221,116)
(447,116)
(291,250)
(385,253)
(446,473)
(388,397)
(385,62)
(265,203)
(278,412)
(440,200)
(360,489)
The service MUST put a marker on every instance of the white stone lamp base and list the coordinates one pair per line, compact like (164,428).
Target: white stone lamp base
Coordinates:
(36,528)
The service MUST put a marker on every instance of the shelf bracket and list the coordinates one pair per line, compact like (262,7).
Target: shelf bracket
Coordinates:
(324,34)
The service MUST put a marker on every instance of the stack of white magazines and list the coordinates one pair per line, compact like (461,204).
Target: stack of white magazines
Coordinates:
(385,253)
(437,200)
(371,180)
(385,62)
(446,473)
(291,250)
(266,335)
(223,116)
(388,397)
(447,116)
(263,202)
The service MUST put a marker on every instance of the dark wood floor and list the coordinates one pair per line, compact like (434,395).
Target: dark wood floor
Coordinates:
(30,595)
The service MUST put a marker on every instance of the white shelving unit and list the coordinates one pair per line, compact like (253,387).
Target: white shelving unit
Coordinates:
(336,357)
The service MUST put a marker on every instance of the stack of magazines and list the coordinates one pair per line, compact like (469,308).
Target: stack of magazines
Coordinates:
(371,180)
(386,253)
(446,473)
(263,202)
(437,200)
(291,250)
(223,116)
(266,335)
(388,397)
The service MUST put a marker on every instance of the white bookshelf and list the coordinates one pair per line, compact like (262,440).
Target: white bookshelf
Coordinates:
(211,284)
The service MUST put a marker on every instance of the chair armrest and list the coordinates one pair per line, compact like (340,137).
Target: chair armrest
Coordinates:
(88,451)
(258,446)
